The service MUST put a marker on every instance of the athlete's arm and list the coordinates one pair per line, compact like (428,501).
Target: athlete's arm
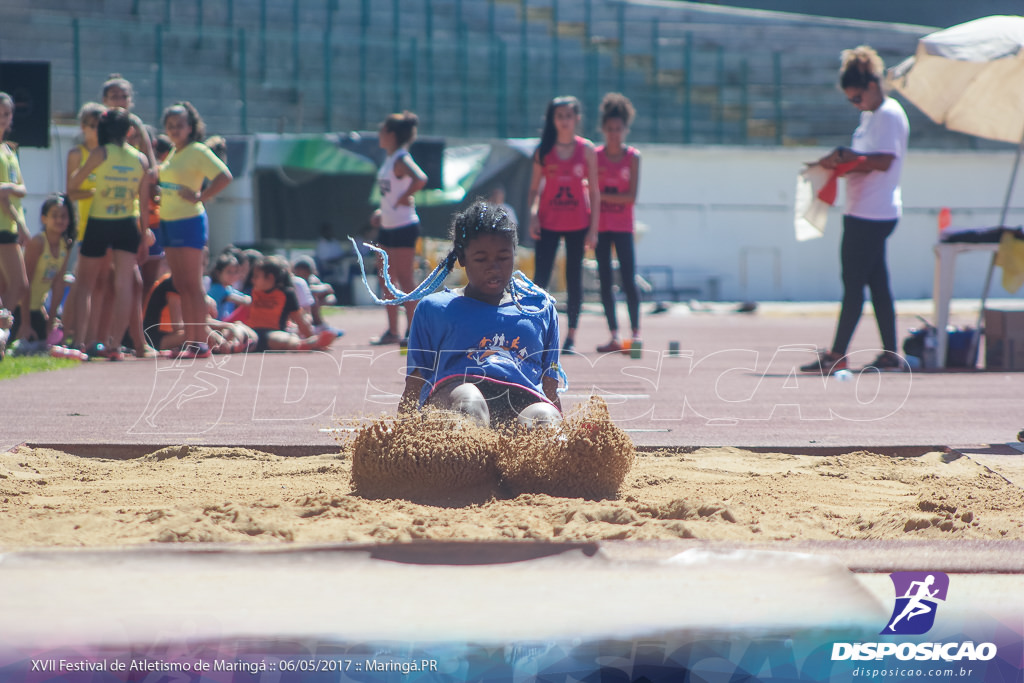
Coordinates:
(57,292)
(531,201)
(33,250)
(595,196)
(411,396)
(407,166)
(74,161)
(78,176)
(550,386)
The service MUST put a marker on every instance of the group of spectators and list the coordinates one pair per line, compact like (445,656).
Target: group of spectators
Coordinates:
(136,283)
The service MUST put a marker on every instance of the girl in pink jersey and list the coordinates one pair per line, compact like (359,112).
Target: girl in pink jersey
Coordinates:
(565,180)
(618,172)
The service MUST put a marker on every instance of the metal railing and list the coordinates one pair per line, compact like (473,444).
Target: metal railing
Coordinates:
(305,70)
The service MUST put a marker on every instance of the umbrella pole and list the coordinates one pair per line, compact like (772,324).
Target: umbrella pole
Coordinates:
(975,338)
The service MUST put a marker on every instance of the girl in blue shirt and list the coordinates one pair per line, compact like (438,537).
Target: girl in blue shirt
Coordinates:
(489,349)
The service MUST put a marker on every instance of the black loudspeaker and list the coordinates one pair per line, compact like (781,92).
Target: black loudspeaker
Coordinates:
(29,84)
(429,156)
(427,151)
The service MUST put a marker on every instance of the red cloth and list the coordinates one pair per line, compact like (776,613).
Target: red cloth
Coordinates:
(827,193)
(240,314)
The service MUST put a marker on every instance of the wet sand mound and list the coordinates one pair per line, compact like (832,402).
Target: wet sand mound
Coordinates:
(434,457)
(586,457)
(439,457)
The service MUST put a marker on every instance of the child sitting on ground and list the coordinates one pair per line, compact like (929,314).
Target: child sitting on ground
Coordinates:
(165,327)
(490,349)
(46,260)
(225,271)
(321,293)
(274,304)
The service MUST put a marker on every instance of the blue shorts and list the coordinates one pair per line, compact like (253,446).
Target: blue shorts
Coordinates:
(188,232)
(156,250)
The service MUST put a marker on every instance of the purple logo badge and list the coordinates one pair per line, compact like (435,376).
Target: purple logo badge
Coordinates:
(917,598)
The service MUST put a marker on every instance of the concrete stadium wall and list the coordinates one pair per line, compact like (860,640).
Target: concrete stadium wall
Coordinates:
(721,214)
(727,213)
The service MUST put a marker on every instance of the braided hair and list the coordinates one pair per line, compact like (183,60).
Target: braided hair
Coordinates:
(480,218)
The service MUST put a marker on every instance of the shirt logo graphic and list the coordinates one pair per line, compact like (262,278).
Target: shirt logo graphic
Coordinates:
(498,345)
(564,197)
(917,598)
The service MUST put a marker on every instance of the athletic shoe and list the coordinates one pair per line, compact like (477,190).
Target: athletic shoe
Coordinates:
(324,339)
(889,361)
(385,339)
(147,352)
(111,354)
(828,363)
(611,347)
(324,326)
(569,345)
(190,350)
(23,347)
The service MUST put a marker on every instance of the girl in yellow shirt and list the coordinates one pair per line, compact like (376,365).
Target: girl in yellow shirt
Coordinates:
(46,260)
(88,118)
(190,176)
(13,233)
(113,223)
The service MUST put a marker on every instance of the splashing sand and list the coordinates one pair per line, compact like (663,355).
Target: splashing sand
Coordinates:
(441,458)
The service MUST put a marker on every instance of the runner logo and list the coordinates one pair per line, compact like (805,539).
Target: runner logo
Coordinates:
(917,598)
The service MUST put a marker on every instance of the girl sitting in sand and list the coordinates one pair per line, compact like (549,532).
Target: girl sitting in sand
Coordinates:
(489,349)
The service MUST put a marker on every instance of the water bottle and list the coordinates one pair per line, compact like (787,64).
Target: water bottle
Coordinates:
(930,360)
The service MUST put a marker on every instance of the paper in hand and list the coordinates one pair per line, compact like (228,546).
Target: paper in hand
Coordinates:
(810,212)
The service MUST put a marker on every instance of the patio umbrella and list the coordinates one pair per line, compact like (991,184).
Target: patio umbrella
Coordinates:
(970,78)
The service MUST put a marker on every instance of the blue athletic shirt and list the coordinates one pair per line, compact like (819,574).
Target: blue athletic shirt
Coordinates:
(454,335)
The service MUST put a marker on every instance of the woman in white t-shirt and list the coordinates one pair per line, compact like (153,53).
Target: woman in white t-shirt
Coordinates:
(399,178)
(872,165)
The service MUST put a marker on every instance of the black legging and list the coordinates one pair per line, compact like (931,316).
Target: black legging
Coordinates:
(544,261)
(623,242)
(863,260)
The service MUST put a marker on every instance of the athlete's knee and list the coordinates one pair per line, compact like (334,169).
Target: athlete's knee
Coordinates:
(467,399)
(539,414)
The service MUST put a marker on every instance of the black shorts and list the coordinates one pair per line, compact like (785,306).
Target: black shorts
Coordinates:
(155,336)
(36,319)
(398,238)
(262,339)
(8,238)
(504,401)
(101,234)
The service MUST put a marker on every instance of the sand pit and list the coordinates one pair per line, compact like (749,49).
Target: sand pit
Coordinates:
(230,495)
